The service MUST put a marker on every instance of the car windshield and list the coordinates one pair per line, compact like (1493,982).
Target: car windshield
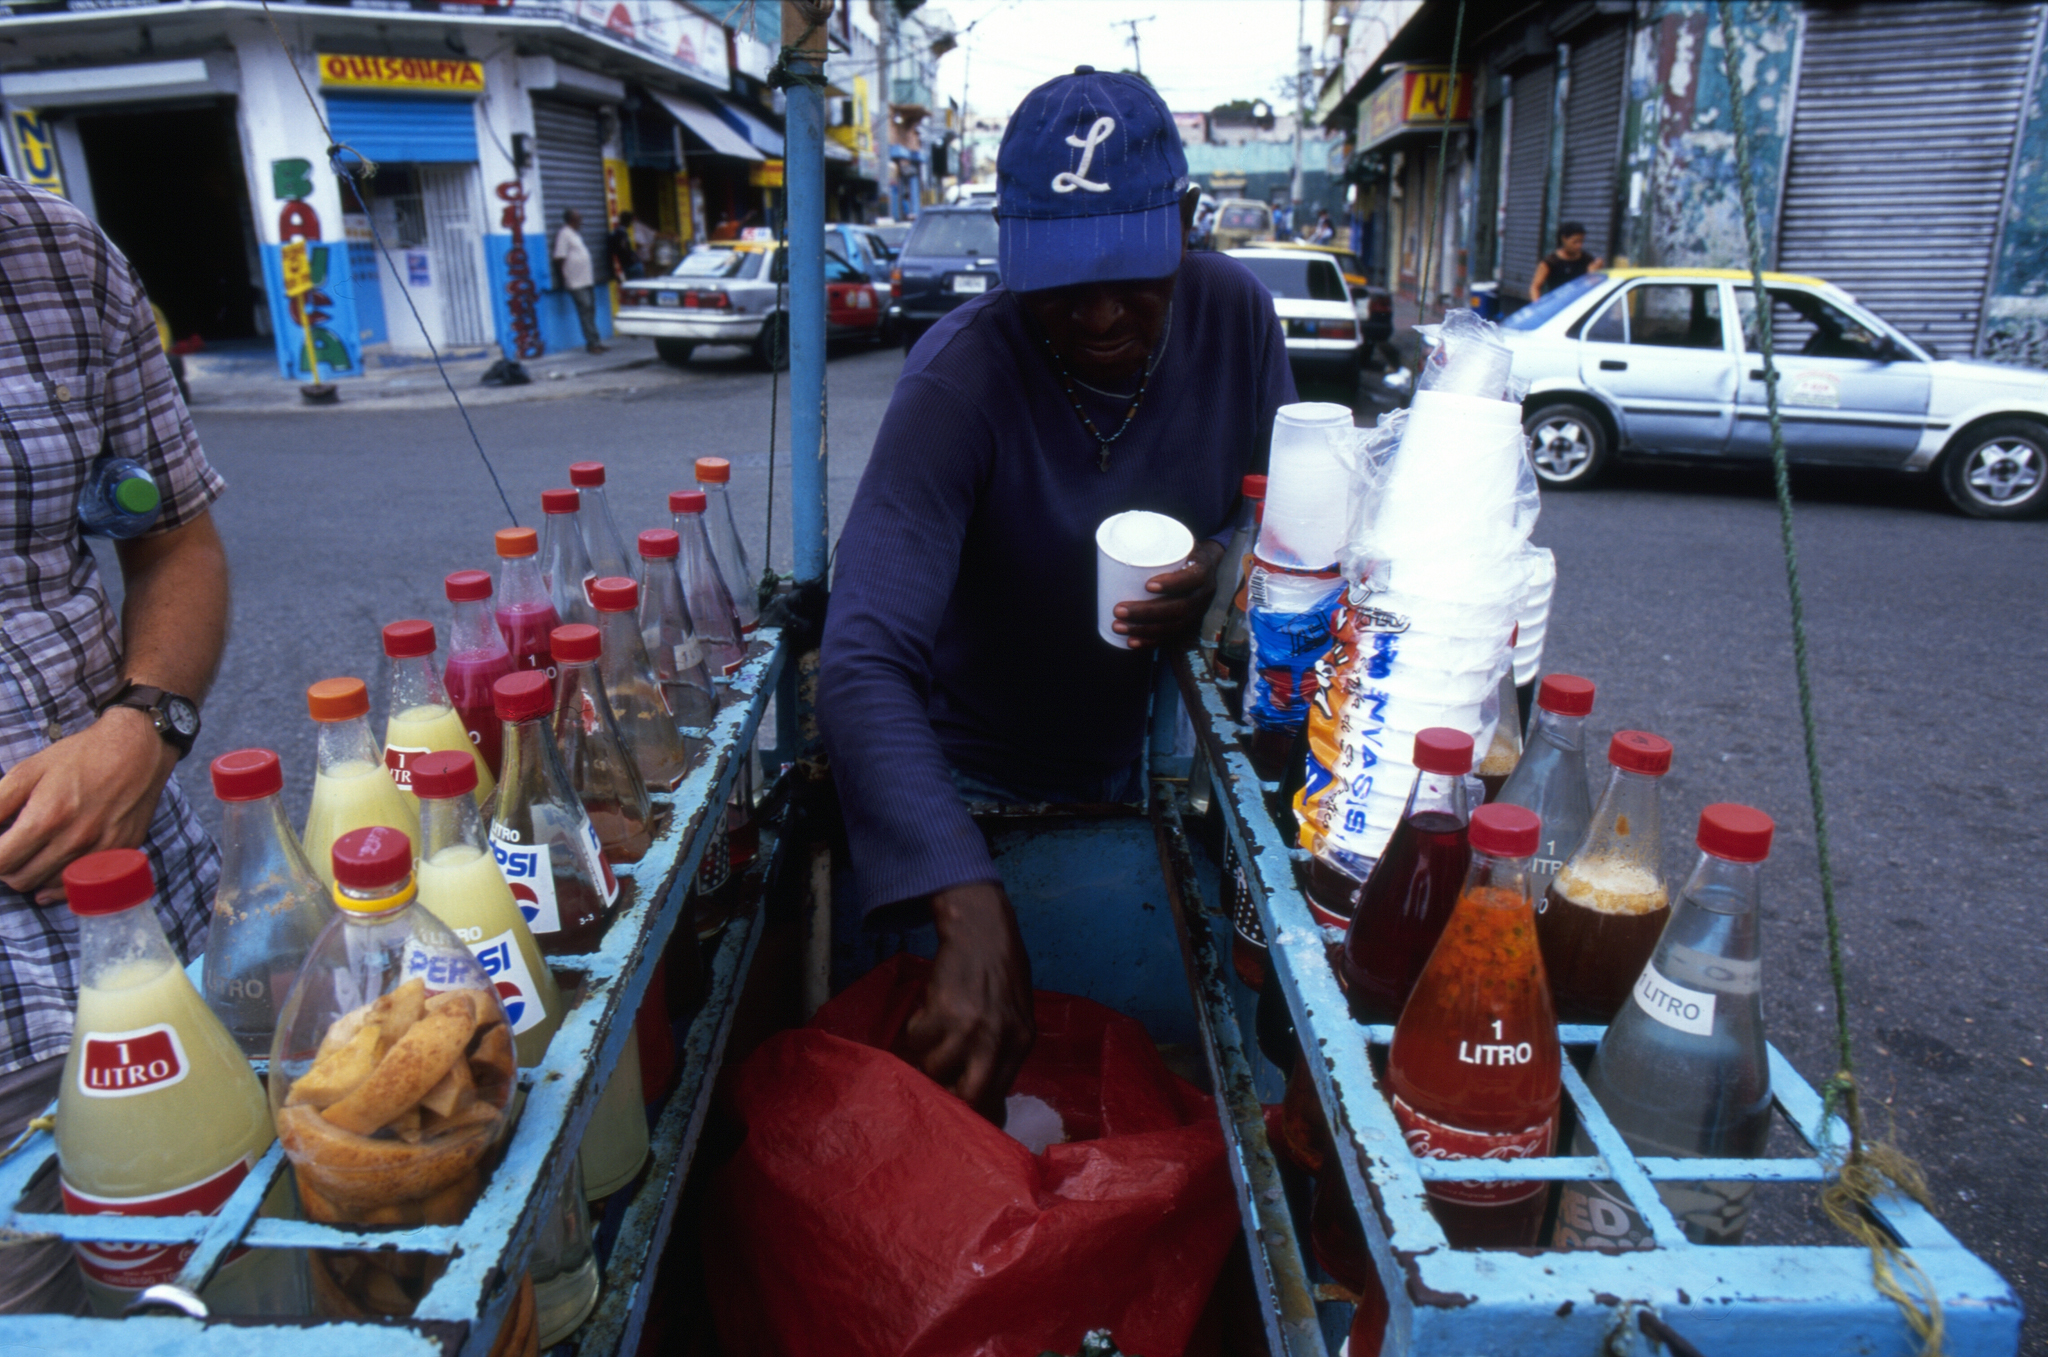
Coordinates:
(1536,313)
(1311,279)
(894,234)
(1243,219)
(953,235)
(716,263)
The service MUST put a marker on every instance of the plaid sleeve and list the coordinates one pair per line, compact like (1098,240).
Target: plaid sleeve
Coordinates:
(144,418)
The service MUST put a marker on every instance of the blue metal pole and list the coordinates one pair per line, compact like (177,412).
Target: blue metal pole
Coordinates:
(803,35)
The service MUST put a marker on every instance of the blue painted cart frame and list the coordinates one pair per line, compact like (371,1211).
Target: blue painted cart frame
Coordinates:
(487,1253)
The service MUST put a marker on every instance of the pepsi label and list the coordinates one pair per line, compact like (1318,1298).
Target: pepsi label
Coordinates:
(506,966)
(530,874)
(594,862)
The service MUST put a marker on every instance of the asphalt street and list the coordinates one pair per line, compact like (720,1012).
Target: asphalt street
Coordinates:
(1928,633)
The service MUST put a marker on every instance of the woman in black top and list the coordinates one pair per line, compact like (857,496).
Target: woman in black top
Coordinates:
(1568,261)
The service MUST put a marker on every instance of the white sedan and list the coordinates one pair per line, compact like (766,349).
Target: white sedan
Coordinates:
(1315,308)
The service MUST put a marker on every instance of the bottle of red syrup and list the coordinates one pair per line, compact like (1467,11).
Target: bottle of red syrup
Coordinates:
(1475,1066)
(526,615)
(477,658)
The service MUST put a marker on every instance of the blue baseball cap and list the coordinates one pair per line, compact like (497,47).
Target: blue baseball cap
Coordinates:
(1088,184)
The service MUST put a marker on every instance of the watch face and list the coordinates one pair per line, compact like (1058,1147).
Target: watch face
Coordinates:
(183,716)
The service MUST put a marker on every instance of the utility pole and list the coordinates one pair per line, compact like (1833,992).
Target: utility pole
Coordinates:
(803,29)
(1137,61)
(1300,111)
(885,168)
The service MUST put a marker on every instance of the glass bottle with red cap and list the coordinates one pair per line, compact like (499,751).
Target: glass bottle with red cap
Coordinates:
(601,540)
(713,475)
(1474,1071)
(351,788)
(601,769)
(649,729)
(670,635)
(1230,572)
(1408,897)
(1608,904)
(704,588)
(270,905)
(1550,779)
(540,834)
(564,563)
(159,1113)
(525,614)
(420,718)
(1683,1071)
(477,658)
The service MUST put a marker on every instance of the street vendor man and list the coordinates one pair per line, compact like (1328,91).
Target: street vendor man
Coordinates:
(961,660)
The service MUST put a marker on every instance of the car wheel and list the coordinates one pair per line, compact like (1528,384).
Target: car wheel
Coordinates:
(1567,445)
(771,346)
(1999,470)
(675,351)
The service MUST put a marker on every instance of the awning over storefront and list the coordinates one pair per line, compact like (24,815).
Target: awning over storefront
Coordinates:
(709,128)
(764,138)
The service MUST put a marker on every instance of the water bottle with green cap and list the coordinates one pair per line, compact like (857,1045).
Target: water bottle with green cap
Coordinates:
(120,499)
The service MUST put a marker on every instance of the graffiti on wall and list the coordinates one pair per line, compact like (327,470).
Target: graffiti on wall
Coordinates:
(520,293)
(2016,315)
(297,219)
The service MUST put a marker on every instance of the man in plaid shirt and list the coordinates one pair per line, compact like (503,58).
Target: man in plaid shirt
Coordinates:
(94,714)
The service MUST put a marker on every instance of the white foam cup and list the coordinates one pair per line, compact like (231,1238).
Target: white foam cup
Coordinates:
(1130,548)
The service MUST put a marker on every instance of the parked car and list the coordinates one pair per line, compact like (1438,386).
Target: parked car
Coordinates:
(893,233)
(1315,308)
(949,258)
(736,292)
(861,247)
(1239,222)
(1374,305)
(1665,362)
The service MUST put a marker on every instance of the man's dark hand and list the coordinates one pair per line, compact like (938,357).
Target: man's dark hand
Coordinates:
(1178,601)
(974,1028)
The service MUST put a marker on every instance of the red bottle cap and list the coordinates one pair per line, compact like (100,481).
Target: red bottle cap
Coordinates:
(660,544)
(516,542)
(686,502)
(468,586)
(337,699)
(614,594)
(586,473)
(1440,749)
(560,501)
(377,858)
(1254,487)
(1565,694)
(1736,833)
(713,470)
(1506,831)
(1640,752)
(443,774)
(108,882)
(575,643)
(523,696)
(247,775)
(409,639)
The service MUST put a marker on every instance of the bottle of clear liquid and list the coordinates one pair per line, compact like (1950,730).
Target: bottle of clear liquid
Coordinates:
(713,474)
(670,635)
(525,614)
(652,734)
(420,717)
(1230,570)
(601,769)
(1551,777)
(270,906)
(1608,905)
(118,500)
(564,564)
(601,539)
(159,1113)
(1682,1071)
(352,788)
(711,605)
(477,658)
(540,834)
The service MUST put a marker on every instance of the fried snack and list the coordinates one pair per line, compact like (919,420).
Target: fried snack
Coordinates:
(343,1031)
(397,1011)
(482,1010)
(338,1073)
(494,1066)
(476,1114)
(407,1071)
(456,1091)
(353,1174)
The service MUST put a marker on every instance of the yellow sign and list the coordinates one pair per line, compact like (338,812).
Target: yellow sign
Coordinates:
(767,174)
(431,74)
(1415,97)
(35,145)
(298,270)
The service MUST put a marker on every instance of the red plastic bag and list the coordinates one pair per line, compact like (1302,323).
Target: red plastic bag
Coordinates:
(870,1213)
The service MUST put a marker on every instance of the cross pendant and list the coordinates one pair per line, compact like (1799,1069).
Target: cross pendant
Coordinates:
(1104,463)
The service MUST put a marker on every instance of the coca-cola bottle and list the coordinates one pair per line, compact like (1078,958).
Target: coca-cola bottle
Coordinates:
(708,594)
(564,564)
(540,834)
(421,718)
(1408,898)
(670,634)
(601,539)
(526,615)
(270,906)
(600,767)
(477,658)
(727,550)
(1228,604)
(1551,777)
(650,730)
(1474,1068)
(1682,1072)
(1605,909)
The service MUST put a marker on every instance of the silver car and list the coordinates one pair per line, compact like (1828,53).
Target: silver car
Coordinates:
(1666,362)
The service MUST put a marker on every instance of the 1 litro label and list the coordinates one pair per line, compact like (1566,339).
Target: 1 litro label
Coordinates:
(1679,1008)
(124,1064)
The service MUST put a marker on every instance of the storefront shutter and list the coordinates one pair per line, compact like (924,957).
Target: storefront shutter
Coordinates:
(1902,139)
(571,156)
(405,130)
(1522,242)
(1592,136)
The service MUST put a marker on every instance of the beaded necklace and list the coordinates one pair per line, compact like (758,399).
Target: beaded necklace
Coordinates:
(1138,399)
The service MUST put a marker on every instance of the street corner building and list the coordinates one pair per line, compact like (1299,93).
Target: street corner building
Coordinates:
(193,133)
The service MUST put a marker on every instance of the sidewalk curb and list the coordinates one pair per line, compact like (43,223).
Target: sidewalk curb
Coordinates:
(421,388)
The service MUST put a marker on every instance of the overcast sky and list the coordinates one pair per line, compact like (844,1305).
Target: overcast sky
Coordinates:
(1198,53)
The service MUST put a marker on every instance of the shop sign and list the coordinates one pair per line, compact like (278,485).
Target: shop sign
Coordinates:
(427,74)
(298,269)
(35,147)
(1417,97)
(691,42)
(766,174)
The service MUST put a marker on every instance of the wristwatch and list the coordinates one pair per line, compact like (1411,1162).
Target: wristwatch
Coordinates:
(175,718)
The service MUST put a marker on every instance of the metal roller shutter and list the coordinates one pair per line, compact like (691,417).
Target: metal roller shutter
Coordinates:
(1902,140)
(1522,242)
(1592,136)
(405,129)
(571,156)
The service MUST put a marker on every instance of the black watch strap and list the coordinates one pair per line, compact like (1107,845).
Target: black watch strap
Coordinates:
(175,717)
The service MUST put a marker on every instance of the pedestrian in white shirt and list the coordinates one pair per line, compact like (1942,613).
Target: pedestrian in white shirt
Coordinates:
(571,258)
